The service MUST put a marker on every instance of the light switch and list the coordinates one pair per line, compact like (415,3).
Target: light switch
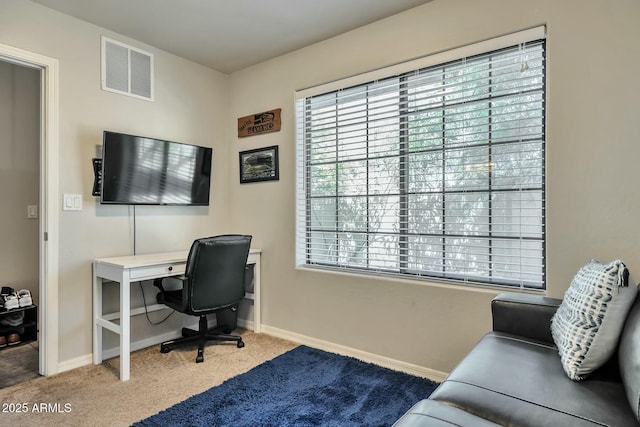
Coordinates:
(67,204)
(32,211)
(72,202)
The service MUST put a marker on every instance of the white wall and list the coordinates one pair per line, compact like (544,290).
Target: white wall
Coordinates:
(19,176)
(190,106)
(592,155)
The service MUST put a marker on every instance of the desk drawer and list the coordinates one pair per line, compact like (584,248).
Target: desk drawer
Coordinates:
(150,272)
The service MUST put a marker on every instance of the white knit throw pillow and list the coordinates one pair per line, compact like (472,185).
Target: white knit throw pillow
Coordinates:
(587,326)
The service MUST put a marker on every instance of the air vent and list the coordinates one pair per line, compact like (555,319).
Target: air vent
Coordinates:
(127,70)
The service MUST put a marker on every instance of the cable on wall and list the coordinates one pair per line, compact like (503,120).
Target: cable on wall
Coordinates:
(134,229)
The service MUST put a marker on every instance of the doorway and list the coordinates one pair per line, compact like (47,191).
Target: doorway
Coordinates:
(47,202)
(20,101)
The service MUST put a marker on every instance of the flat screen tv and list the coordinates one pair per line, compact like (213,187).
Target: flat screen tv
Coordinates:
(146,171)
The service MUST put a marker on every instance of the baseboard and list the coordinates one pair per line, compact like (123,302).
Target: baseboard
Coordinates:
(87,359)
(397,365)
(78,362)
(358,354)
(147,342)
(245,324)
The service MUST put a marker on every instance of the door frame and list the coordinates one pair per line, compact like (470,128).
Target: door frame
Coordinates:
(49,202)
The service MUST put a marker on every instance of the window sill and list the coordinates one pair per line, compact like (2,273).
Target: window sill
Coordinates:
(424,280)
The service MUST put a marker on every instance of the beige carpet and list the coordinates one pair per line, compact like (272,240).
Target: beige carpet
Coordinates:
(94,395)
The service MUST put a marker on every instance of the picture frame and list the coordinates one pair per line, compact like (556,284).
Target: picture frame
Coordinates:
(258,165)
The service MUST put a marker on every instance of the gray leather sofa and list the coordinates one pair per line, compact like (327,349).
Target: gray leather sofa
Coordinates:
(513,377)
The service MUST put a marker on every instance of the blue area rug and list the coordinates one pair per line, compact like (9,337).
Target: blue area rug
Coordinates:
(303,387)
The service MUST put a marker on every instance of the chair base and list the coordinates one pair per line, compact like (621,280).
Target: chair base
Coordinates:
(201,336)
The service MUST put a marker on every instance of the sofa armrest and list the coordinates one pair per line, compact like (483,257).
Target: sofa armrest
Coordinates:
(524,315)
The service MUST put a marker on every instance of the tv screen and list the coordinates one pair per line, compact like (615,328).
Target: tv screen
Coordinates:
(147,171)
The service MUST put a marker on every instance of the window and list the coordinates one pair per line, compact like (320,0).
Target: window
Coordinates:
(436,171)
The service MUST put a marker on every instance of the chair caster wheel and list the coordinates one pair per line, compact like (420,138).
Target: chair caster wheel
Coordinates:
(240,344)
(165,349)
(199,359)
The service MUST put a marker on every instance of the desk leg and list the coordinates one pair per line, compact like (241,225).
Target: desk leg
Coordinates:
(257,325)
(97,312)
(125,327)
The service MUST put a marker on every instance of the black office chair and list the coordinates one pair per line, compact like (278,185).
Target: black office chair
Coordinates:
(213,283)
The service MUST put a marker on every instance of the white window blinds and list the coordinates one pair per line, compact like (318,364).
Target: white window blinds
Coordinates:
(436,172)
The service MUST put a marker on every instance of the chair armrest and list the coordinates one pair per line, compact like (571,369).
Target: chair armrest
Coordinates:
(528,316)
(158,283)
(176,283)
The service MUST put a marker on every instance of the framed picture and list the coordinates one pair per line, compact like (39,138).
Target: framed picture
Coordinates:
(259,165)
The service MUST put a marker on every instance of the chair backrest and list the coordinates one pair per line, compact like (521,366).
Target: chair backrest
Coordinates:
(216,269)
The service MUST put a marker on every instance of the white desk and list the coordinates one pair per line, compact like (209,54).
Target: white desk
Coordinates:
(127,269)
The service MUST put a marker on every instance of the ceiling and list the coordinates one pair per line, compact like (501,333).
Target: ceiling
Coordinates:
(229,35)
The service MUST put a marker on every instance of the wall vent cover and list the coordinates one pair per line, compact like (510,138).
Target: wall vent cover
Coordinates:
(127,70)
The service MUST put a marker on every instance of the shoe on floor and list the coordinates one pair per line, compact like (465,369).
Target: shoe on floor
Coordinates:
(7,290)
(3,341)
(11,301)
(13,339)
(24,298)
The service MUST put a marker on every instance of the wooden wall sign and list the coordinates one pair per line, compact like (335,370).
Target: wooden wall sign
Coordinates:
(256,124)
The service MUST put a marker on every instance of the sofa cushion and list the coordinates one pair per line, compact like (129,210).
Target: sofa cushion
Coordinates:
(587,325)
(629,358)
(436,414)
(512,381)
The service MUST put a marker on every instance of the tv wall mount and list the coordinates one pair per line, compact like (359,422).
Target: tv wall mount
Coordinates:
(97,176)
